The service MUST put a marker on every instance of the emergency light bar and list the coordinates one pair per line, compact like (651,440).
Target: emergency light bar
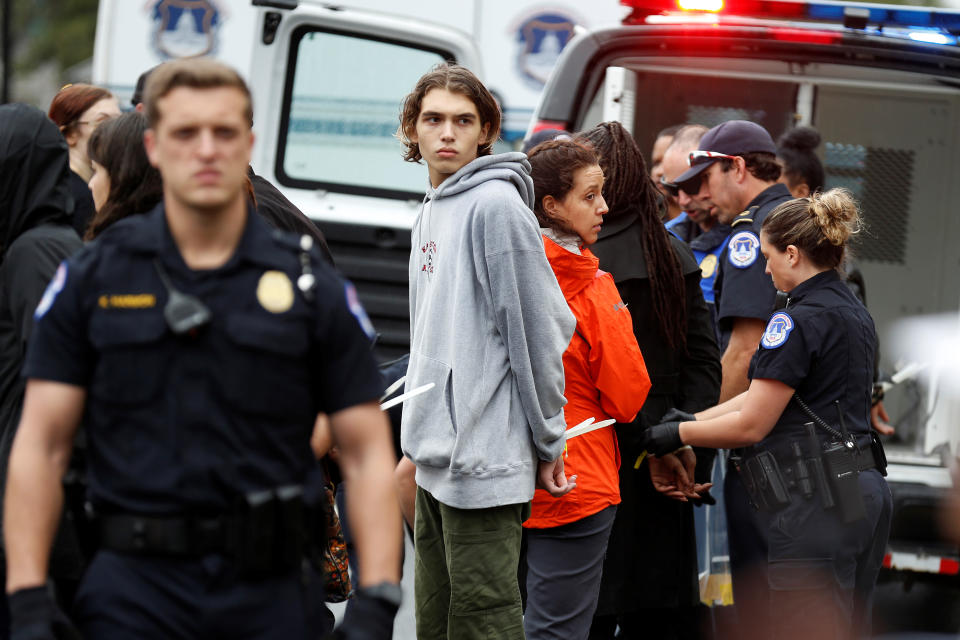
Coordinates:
(822,10)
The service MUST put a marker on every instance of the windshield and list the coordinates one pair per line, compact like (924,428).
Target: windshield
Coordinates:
(341,113)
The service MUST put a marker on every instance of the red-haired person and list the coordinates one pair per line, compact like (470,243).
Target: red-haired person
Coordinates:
(78,109)
(605,377)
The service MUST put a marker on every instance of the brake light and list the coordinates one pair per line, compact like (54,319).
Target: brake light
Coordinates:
(700,5)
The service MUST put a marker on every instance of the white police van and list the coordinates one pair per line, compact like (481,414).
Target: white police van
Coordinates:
(882,86)
(328,79)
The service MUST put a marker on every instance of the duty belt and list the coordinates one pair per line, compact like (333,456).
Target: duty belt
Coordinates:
(267,533)
(863,456)
(178,536)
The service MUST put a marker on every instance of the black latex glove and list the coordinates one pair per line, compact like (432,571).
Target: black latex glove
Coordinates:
(679,416)
(368,618)
(662,438)
(35,616)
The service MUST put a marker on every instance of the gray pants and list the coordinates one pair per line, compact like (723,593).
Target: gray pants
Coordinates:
(564,566)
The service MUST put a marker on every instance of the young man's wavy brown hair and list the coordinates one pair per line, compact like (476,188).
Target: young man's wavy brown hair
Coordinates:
(455,79)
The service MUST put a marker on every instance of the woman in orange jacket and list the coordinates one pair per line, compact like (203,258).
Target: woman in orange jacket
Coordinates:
(605,378)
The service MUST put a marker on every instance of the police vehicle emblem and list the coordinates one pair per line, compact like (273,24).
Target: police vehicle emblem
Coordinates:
(50,293)
(275,291)
(708,266)
(778,330)
(743,249)
(541,36)
(353,303)
(185,28)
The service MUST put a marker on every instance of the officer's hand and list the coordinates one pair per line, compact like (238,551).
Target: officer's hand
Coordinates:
(661,439)
(679,416)
(550,478)
(35,616)
(368,618)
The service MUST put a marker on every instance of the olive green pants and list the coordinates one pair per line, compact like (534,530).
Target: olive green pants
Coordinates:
(465,580)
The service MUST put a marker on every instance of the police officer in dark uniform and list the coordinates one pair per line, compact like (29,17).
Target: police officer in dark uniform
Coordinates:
(199,346)
(815,472)
(734,172)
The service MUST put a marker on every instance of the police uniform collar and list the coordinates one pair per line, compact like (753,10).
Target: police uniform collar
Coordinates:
(147,233)
(776,191)
(712,238)
(813,282)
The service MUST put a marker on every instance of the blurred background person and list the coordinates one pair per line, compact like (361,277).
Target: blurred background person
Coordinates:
(664,139)
(802,169)
(78,109)
(35,236)
(123,181)
(649,586)
(697,225)
(605,377)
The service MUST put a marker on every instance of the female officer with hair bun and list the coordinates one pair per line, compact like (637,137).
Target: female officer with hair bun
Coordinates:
(811,466)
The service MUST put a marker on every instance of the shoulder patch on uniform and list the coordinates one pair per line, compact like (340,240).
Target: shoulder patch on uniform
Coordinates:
(353,303)
(743,249)
(778,330)
(54,287)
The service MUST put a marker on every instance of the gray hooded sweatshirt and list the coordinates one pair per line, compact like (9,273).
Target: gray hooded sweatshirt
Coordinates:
(489,326)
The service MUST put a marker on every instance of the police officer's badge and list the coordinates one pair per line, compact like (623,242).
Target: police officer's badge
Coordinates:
(275,291)
(778,330)
(708,266)
(743,249)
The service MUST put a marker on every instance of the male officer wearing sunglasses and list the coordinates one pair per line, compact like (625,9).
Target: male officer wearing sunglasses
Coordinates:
(734,173)
(697,225)
(737,172)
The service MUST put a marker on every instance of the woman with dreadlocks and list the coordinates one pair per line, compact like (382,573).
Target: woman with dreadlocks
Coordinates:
(649,587)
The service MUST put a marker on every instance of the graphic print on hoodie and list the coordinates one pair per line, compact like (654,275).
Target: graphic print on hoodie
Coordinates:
(489,326)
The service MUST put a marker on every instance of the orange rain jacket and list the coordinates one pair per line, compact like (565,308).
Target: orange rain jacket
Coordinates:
(605,378)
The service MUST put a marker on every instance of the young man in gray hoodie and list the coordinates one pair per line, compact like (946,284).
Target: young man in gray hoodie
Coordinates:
(489,326)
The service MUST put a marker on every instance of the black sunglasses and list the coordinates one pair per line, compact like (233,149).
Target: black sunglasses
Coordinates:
(691,186)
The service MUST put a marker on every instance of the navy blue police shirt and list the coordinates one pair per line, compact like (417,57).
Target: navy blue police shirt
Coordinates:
(822,345)
(742,289)
(186,424)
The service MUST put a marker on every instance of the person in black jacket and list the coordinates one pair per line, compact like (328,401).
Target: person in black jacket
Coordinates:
(35,236)
(649,583)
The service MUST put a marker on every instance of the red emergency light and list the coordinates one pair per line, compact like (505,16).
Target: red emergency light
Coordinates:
(700,5)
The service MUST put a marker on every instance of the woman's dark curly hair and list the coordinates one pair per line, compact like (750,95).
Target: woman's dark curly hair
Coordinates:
(135,185)
(552,167)
(628,189)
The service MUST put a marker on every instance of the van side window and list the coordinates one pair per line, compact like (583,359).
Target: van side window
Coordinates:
(341,112)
